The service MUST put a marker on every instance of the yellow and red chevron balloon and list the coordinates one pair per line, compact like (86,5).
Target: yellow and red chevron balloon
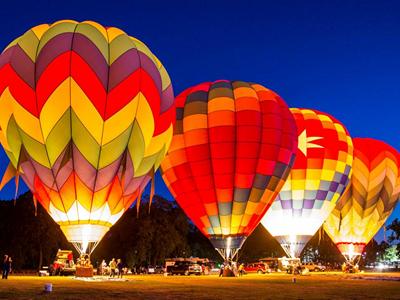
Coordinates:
(233,147)
(372,194)
(86,116)
(318,178)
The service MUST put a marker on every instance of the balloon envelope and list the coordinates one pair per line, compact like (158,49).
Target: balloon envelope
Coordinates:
(371,197)
(86,116)
(233,146)
(318,178)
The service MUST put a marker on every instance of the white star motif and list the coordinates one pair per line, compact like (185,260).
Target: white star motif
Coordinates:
(306,142)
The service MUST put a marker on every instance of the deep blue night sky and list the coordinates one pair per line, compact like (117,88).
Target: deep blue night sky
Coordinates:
(340,57)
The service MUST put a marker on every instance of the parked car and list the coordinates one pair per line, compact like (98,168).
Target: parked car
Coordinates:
(312,267)
(155,270)
(259,268)
(184,268)
(63,264)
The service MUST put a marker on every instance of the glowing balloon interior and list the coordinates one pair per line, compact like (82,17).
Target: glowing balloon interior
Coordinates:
(233,146)
(319,176)
(86,116)
(373,192)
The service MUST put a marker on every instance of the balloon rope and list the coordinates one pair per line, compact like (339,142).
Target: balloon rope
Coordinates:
(139,199)
(16,186)
(35,204)
(319,235)
(151,189)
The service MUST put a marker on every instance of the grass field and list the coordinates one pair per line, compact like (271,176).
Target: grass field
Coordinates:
(271,286)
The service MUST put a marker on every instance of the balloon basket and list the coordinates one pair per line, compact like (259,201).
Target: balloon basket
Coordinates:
(228,273)
(84,271)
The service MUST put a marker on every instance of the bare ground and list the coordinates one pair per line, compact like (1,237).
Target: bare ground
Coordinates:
(271,286)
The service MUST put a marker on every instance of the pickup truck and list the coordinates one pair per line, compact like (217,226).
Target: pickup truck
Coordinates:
(184,268)
(312,267)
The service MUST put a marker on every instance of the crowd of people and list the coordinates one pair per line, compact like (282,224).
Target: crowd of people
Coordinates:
(114,268)
(348,267)
(231,269)
(83,261)
(6,266)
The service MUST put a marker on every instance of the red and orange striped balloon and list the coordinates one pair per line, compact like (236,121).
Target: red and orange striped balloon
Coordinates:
(233,147)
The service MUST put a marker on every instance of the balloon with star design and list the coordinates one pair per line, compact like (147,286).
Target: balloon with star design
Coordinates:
(318,178)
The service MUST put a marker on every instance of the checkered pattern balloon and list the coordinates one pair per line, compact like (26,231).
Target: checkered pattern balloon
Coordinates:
(318,178)
(233,147)
(86,116)
(373,192)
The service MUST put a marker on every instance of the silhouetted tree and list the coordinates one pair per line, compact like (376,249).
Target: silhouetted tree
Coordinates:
(31,241)
(150,237)
(395,228)
(372,252)
(260,244)
(321,249)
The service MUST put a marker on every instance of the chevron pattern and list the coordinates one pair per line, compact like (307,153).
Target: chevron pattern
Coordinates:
(233,147)
(318,178)
(373,192)
(86,116)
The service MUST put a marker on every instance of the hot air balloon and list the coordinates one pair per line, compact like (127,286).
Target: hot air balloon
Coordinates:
(318,178)
(86,116)
(233,146)
(372,194)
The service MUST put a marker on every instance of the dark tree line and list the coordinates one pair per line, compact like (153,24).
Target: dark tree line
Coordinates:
(395,228)
(31,241)
(146,238)
(260,244)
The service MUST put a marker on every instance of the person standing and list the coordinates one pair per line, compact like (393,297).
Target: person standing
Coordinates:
(70,258)
(234,268)
(103,267)
(221,270)
(112,266)
(6,266)
(241,269)
(119,266)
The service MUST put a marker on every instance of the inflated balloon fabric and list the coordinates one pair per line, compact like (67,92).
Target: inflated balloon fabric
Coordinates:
(371,197)
(86,116)
(317,180)
(233,147)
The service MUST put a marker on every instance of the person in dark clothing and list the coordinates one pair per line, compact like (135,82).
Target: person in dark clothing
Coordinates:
(119,266)
(6,266)
(221,270)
